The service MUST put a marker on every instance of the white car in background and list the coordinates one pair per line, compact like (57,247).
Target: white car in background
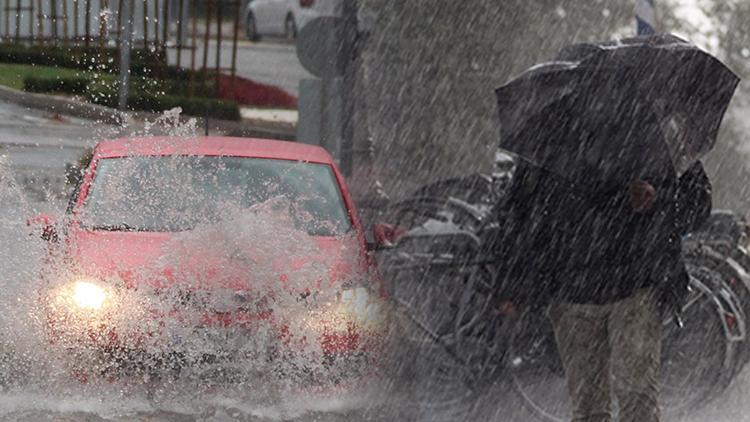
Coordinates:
(285,17)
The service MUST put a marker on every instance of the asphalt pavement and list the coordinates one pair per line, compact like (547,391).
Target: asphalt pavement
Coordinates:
(38,145)
(269,62)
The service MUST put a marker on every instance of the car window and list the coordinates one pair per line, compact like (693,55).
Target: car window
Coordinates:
(176,193)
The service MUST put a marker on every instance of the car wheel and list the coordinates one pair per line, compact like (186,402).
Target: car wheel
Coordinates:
(251,28)
(290,28)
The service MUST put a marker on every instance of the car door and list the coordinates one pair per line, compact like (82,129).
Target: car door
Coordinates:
(261,11)
(278,10)
(307,10)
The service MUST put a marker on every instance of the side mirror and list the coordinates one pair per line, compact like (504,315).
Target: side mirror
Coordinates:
(386,235)
(44,225)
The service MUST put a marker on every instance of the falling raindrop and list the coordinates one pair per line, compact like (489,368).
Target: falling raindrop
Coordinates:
(560,11)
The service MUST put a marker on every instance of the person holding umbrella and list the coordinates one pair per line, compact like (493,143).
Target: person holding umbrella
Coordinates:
(609,138)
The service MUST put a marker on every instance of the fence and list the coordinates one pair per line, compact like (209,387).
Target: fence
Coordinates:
(182,32)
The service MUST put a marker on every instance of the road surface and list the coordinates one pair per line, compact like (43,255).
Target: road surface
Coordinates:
(38,146)
(273,63)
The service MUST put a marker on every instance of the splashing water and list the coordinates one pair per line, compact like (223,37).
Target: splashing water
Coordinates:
(21,255)
(170,123)
(252,256)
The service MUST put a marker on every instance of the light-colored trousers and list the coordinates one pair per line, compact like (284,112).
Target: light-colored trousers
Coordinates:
(611,349)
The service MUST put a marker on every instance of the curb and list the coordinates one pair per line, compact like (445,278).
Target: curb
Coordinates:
(61,105)
(250,130)
(74,108)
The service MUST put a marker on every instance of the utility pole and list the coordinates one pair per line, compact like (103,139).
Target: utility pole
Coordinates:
(645,17)
(331,49)
(126,35)
(350,60)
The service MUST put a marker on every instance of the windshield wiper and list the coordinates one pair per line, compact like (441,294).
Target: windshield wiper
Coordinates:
(122,227)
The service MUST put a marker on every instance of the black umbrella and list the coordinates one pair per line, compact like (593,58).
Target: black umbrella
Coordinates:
(611,109)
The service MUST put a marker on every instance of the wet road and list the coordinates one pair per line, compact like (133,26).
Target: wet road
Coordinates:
(269,62)
(38,146)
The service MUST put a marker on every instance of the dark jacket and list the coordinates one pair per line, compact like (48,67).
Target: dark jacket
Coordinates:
(587,245)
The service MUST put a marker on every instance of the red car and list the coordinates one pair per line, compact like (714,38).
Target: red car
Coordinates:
(177,252)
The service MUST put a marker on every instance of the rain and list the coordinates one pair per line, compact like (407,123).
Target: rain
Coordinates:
(374,210)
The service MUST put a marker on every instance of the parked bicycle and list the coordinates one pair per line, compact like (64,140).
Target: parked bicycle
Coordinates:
(441,275)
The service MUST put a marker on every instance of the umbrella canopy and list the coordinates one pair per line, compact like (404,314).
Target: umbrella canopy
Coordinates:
(614,109)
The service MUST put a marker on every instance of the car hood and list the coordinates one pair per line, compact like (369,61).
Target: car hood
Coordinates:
(153,259)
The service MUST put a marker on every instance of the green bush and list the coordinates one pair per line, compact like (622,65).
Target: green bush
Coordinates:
(101,92)
(179,87)
(73,58)
(144,62)
(147,93)
(67,85)
(193,106)
(74,171)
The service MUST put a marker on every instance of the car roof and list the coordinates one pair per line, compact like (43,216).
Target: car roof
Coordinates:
(212,145)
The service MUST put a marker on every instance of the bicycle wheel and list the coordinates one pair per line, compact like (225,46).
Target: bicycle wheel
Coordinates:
(694,357)
(536,371)
(417,212)
(737,280)
(450,343)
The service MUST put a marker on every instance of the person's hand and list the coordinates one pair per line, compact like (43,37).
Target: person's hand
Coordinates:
(508,309)
(642,195)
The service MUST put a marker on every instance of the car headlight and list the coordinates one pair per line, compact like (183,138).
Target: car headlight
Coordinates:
(360,304)
(88,295)
(354,308)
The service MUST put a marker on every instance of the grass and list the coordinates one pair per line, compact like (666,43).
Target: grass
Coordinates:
(147,94)
(11,75)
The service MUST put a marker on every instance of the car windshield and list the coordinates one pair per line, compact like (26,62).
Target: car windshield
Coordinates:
(176,193)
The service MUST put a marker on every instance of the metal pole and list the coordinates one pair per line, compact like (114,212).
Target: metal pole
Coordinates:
(31,20)
(349,40)
(156,23)
(145,23)
(180,13)
(205,121)
(88,24)
(39,22)
(234,41)
(76,11)
(126,33)
(53,18)
(66,34)
(205,40)
(219,18)
(7,20)
(159,49)
(165,24)
(119,24)
(645,17)
(103,4)
(18,20)
(194,47)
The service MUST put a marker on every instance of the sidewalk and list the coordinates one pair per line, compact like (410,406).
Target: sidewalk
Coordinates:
(281,117)
(274,124)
